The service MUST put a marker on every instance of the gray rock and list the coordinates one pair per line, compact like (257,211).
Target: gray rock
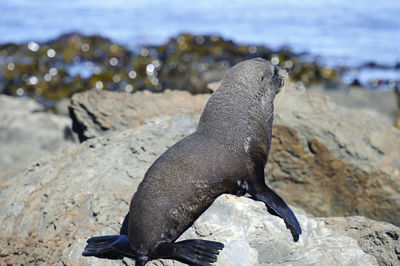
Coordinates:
(27,133)
(49,211)
(95,113)
(254,237)
(63,199)
(213,85)
(61,106)
(382,105)
(330,160)
(334,161)
(379,239)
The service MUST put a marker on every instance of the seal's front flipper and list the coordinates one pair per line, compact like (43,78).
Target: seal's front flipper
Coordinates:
(260,191)
(278,205)
(110,247)
(193,252)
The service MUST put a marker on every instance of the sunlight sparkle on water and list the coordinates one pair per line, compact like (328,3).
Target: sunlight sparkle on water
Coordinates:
(53,71)
(114,48)
(116,78)
(33,80)
(51,53)
(113,61)
(128,88)
(144,52)
(154,81)
(289,64)
(47,77)
(33,46)
(11,66)
(132,74)
(85,47)
(150,69)
(99,85)
(252,49)
(275,60)
(20,91)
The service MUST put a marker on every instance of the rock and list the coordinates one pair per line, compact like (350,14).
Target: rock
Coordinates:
(334,161)
(381,105)
(61,107)
(63,199)
(94,113)
(213,85)
(49,211)
(330,160)
(379,239)
(254,237)
(27,133)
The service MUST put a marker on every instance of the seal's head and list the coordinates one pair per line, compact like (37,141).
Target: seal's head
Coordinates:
(258,75)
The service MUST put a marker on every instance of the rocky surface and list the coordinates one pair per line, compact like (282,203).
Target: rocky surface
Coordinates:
(382,105)
(28,132)
(254,237)
(95,113)
(330,160)
(376,238)
(61,200)
(85,190)
(334,161)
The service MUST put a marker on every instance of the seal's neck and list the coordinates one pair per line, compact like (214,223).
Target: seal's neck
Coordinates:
(233,114)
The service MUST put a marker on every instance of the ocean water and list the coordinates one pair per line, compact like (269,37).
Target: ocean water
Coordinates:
(339,32)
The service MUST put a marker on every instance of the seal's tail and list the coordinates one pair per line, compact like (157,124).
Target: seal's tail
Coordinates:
(111,247)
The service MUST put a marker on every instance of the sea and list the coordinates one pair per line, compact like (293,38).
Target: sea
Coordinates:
(334,32)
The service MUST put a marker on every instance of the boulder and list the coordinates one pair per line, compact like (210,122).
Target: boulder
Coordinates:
(325,158)
(334,161)
(379,239)
(28,132)
(49,211)
(382,105)
(254,237)
(95,113)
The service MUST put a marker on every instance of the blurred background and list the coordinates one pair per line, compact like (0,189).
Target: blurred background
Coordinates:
(341,32)
(50,50)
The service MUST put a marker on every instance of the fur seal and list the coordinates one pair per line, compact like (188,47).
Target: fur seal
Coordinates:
(226,154)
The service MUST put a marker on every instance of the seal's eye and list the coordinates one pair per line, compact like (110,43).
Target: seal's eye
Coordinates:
(262,78)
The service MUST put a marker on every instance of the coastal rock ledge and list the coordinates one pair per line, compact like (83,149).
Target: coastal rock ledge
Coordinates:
(85,190)
(326,159)
(28,132)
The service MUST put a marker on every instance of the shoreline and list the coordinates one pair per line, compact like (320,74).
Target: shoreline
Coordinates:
(52,71)
(75,62)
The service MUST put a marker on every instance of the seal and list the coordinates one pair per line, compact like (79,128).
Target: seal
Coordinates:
(226,154)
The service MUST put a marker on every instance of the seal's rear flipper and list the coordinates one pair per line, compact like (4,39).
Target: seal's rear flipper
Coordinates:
(111,247)
(193,252)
